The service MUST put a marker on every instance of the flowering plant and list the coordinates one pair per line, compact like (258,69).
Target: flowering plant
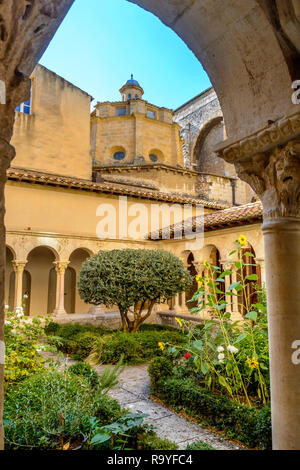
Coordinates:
(224,354)
(22,341)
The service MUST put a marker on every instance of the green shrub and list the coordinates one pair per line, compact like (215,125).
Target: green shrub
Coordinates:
(121,344)
(22,358)
(82,341)
(85,370)
(135,349)
(251,426)
(52,328)
(199,445)
(150,441)
(52,408)
(156,327)
(107,410)
(85,342)
(159,368)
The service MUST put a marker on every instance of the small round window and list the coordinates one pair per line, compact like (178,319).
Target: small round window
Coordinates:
(119,156)
(153,157)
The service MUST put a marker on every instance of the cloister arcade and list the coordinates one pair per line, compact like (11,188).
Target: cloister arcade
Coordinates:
(42,282)
(250,51)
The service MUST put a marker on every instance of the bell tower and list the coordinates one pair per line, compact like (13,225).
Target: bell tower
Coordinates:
(132,90)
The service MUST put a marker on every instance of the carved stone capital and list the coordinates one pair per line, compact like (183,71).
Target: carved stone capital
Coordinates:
(19,266)
(275,177)
(265,140)
(61,266)
(269,161)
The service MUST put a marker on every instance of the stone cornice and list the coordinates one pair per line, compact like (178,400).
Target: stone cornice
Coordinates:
(264,140)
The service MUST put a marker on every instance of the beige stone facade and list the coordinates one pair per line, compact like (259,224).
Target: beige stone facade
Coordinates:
(66,183)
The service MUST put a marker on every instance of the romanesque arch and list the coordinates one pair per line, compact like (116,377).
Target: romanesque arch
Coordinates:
(203,157)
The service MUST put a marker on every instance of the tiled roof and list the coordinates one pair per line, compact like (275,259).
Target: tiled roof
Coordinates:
(37,177)
(233,216)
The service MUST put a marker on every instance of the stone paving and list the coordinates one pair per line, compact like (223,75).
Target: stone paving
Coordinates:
(133,391)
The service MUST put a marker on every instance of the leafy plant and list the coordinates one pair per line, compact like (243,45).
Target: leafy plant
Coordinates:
(85,370)
(228,355)
(199,445)
(134,280)
(116,434)
(23,347)
(249,425)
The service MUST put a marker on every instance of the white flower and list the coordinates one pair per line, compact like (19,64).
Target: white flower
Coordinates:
(220,349)
(19,312)
(6,307)
(221,357)
(25,296)
(232,349)
(7,322)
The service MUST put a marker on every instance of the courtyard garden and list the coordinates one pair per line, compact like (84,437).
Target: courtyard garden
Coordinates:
(215,374)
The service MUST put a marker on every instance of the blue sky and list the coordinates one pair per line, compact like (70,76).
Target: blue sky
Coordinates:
(100,43)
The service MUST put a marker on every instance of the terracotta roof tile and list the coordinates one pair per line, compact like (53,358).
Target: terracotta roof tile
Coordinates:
(31,176)
(233,216)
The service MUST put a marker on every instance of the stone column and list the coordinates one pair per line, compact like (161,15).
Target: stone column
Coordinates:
(183,300)
(176,303)
(60,267)
(19,267)
(270,162)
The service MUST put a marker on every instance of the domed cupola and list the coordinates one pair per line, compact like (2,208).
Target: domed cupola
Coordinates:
(132,90)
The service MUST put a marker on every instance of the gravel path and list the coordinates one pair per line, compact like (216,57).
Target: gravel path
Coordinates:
(133,393)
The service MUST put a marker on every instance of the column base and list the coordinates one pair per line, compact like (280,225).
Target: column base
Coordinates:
(96,310)
(59,312)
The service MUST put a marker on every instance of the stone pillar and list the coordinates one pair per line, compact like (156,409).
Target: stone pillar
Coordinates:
(60,267)
(183,300)
(176,303)
(19,267)
(270,162)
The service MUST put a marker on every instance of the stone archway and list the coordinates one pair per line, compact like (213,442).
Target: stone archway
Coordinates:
(253,84)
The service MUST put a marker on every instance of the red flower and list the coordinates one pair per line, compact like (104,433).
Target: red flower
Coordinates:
(187,355)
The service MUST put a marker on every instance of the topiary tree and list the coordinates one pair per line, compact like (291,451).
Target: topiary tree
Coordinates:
(134,280)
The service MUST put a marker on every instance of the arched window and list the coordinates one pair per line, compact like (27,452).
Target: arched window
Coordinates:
(119,156)
(153,157)
(129,96)
(136,97)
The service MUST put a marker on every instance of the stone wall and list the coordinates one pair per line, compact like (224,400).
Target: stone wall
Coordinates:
(55,137)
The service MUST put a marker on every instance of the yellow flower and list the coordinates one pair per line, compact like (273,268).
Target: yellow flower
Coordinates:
(252,363)
(242,240)
(206,264)
(178,321)
(161,346)
(208,279)
(198,279)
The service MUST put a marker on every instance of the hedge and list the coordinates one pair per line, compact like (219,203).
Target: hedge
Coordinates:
(251,426)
